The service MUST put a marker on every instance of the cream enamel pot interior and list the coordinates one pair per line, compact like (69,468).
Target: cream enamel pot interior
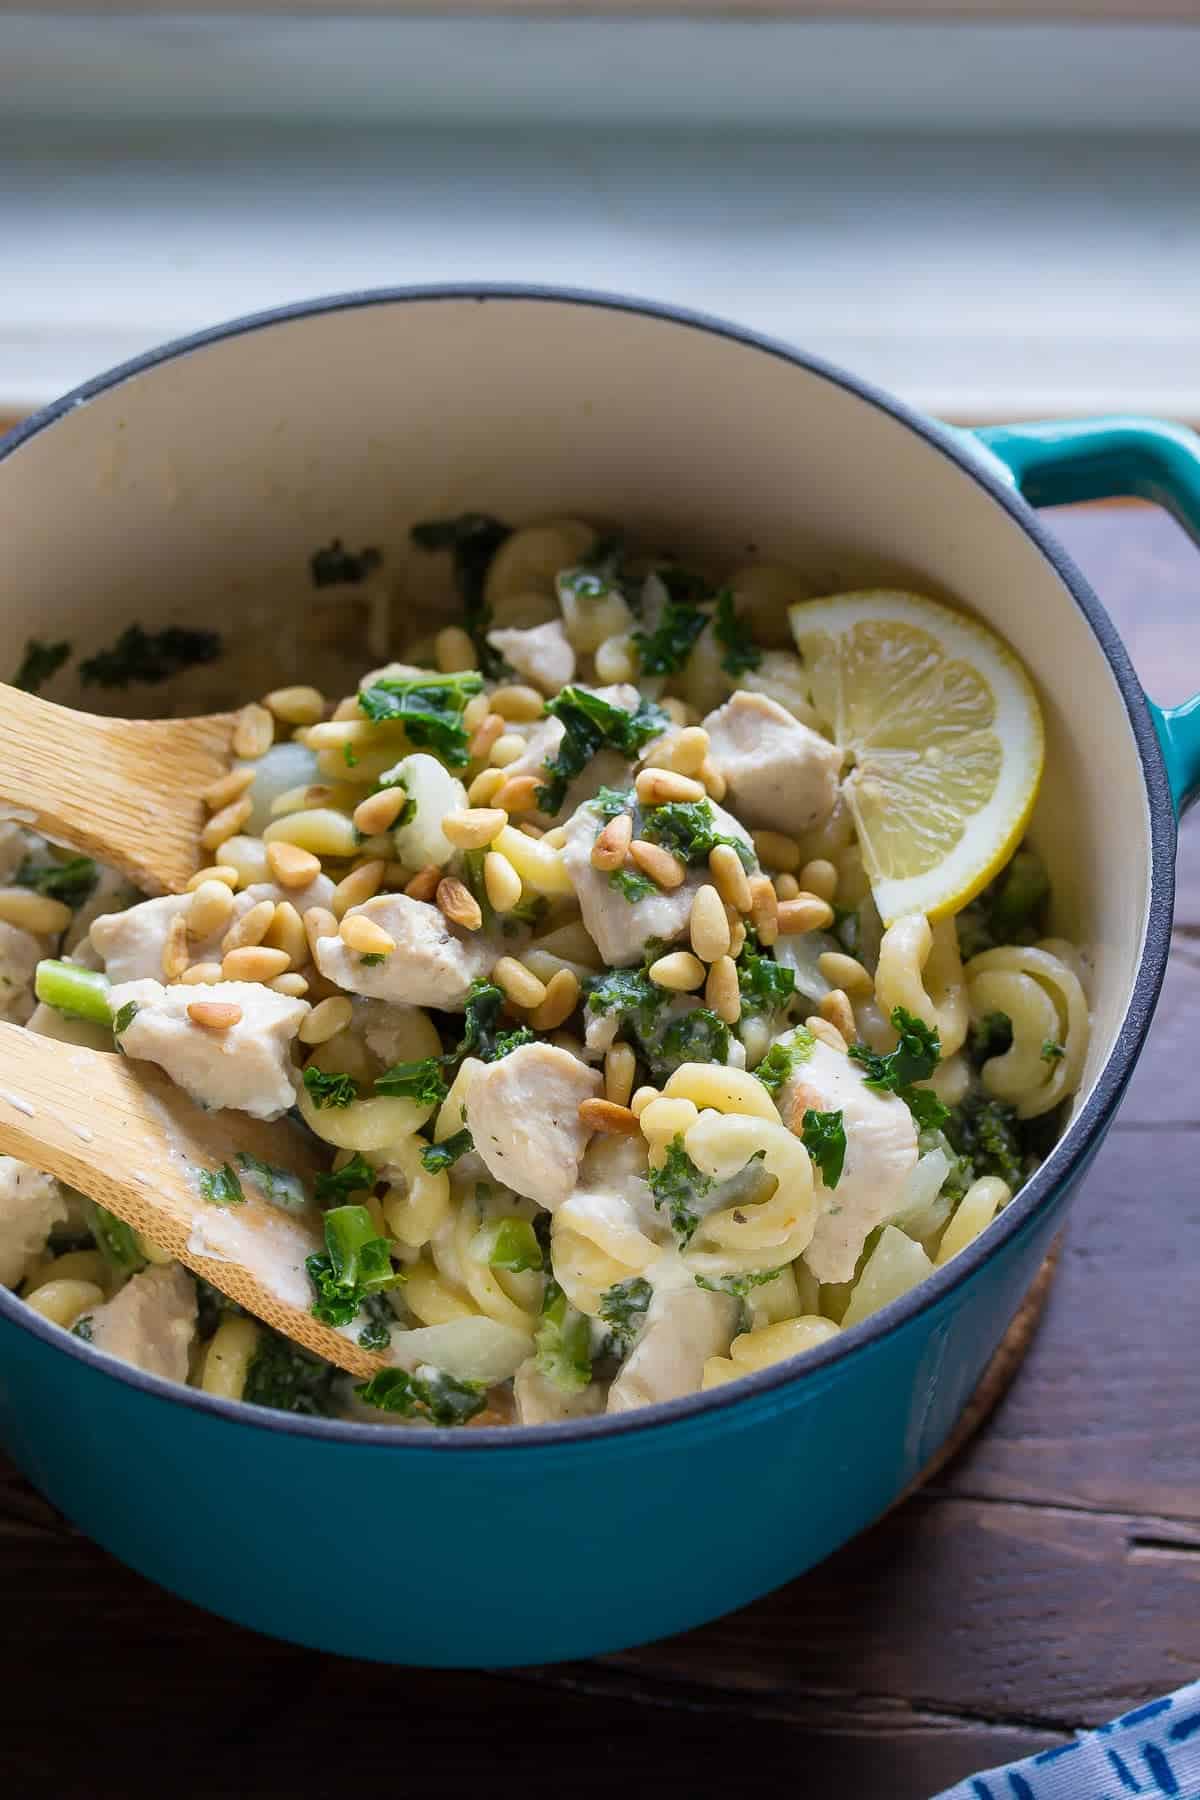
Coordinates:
(192,488)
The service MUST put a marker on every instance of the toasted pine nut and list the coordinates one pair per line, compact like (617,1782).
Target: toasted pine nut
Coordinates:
(837,1009)
(844,972)
(556,837)
(519,704)
(286,932)
(291,866)
(296,705)
(804,913)
(612,844)
(211,909)
(360,932)
(601,1115)
(678,970)
(501,881)
(379,812)
(458,903)
(476,711)
(715,783)
(827,1032)
(254,962)
(175,954)
(292,983)
(721,991)
(764,909)
(518,794)
(786,887)
(658,864)
(453,651)
(708,925)
(562,997)
(659,787)
(395,875)
(326,1019)
(320,829)
(347,708)
(292,800)
(729,877)
(251,928)
(254,732)
(203,973)
(38,913)
(509,748)
(620,1067)
(819,878)
(226,823)
(424,884)
(215,1015)
(641,1100)
(229,787)
(737,936)
(519,983)
(215,872)
(318,922)
(481,741)
(359,885)
(486,786)
(689,750)
(471,827)
(775,851)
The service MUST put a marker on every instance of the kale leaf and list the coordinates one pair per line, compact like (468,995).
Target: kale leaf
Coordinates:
(335,566)
(676,1185)
(353,1177)
(147,656)
(741,652)
(563,1342)
(421,1081)
(289,1378)
(590,724)
(115,1240)
(632,884)
(71,882)
(740,1285)
(780,1061)
(124,1016)
(764,984)
(472,540)
(915,1057)
(429,708)
(279,1186)
(623,1309)
(39,663)
(426,1393)
(330,1090)
(481,1035)
(666,649)
(985,1131)
(436,1157)
(696,1036)
(356,1262)
(628,992)
(688,828)
(376,1334)
(221,1187)
(991,1036)
(824,1137)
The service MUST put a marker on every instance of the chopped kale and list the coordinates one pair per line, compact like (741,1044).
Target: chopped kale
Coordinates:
(688,828)
(985,1132)
(212,1306)
(511,1244)
(436,1157)
(330,1090)
(696,1036)
(665,650)
(929,1113)
(623,1309)
(563,1342)
(335,566)
(1011,910)
(610,803)
(915,1057)
(426,1393)
(429,708)
(590,724)
(764,984)
(741,652)
(84,1327)
(71,882)
(421,1081)
(1052,1051)
(146,656)
(221,1187)
(371,959)
(472,540)
(279,1186)
(991,1036)
(482,1036)
(824,1137)
(960,1174)
(39,663)
(632,884)
(376,1334)
(116,1241)
(124,1017)
(778,1064)
(289,1378)
(676,1185)
(353,1177)
(356,1262)
(740,1285)
(629,992)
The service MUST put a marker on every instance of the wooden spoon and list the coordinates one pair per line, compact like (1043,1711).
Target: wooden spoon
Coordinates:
(127,791)
(136,1143)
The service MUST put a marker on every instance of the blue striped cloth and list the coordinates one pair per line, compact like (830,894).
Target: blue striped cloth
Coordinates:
(1153,1750)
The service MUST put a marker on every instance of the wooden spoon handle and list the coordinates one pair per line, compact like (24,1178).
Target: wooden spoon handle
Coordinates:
(124,790)
(136,1143)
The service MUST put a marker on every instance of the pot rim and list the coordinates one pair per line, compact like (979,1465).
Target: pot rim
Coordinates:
(1071,1153)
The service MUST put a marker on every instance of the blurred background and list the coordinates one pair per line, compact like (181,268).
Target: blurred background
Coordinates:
(990,207)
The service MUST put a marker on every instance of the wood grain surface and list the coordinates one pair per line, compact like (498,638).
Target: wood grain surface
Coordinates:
(1047,1580)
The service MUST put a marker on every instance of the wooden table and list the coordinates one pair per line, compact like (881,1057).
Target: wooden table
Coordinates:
(1050,1578)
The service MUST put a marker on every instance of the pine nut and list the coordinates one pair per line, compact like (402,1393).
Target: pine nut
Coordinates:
(359,886)
(737,936)
(254,962)
(518,704)
(620,1067)
(248,855)
(658,864)
(229,787)
(458,903)
(286,932)
(715,783)
(689,750)
(295,705)
(476,711)
(254,732)
(379,812)
(662,787)
(519,983)
(63,1301)
(519,794)
(347,709)
(708,925)
(215,1015)
(509,748)
(360,734)
(175,954)
(641,1100)
(326,1019)
(471,827)
(251,928)
(786,887)
(321,830)
(679,971)
(827,1032)
(842,971)
(530,830)
(226,823)
(601,1115)
(819,878)
(721,991)
(361,933)
(612,844)
(615,659)
(318,922)
(556,837)
(424,884)
(562,997)
(395,875)
(775,851)
(764,909)
(202,973)
(804,913)
(210,910)
(293,984)
(729,877)
(486,786)
(291,866)
(453,651)
(293,800)
(492,728)
(33,912)
(837,1009)
(216,872)
(501,881)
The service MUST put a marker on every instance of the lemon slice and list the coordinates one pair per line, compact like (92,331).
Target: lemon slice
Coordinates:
(943,736)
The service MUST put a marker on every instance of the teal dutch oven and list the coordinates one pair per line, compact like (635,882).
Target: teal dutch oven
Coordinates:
(191,487)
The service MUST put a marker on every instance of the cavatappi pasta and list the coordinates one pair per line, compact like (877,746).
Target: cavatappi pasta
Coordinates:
(558,934)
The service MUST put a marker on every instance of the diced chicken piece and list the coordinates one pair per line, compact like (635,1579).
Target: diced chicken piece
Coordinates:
(20,953)
(540,1402)
(881,1152)
(523,1113)
(542,654)
(684,1327)
(319,892)
(608,768)
(781,775)
(112,893)
(247,1067)
(433,964)
(619,927)
(151,1322)
(131,943)
(31,1205)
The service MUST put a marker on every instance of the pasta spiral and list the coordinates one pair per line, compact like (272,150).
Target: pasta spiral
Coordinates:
(920,969)
(1045,1002)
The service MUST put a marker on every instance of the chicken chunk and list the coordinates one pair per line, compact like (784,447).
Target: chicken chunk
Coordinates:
(31,1205)
(20,953)
(112,893)
(685,1325)
(881,1152)
(608,768)
(433,964)
(150,1323)
(781,775)
(247,1067)
(131,942)
(542,654)
(523,1113)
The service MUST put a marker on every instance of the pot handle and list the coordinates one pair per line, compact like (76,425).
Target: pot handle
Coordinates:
(1055,462)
